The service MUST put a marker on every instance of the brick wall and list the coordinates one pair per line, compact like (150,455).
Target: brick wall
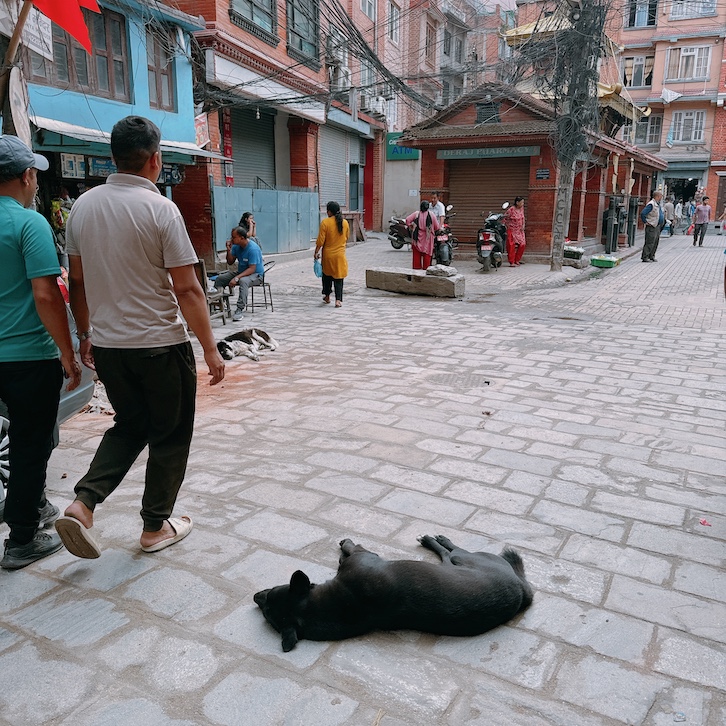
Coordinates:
(716,185)
(303,152)
(433,173)
(541,202)
(377,149)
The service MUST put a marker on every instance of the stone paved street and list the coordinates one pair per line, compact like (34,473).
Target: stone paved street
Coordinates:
(581,422)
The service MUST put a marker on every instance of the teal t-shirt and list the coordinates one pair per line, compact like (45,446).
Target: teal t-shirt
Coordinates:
(27,251)
(250,255)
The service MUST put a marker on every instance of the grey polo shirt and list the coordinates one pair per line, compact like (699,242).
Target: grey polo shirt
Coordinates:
(128,235)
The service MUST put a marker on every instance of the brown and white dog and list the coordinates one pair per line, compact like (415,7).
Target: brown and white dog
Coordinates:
(467,594)
(250,343)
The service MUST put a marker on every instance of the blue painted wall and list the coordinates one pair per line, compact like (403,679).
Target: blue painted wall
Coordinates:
(286,221)
(102,113)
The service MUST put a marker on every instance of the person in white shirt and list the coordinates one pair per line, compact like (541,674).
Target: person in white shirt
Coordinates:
(678,213)
(437,207)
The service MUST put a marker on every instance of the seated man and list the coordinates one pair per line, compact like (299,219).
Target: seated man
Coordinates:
(250,268)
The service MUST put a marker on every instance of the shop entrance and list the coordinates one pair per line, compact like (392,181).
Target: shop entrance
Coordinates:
(684,189)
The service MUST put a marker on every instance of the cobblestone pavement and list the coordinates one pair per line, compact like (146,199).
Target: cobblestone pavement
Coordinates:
(582,423)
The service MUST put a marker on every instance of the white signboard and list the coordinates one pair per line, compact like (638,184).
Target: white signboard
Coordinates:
(37,33)
(73,166)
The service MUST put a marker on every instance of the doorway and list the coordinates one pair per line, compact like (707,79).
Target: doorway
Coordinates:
(684,189)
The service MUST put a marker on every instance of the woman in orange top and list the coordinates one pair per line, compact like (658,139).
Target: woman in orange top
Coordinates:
(330,247)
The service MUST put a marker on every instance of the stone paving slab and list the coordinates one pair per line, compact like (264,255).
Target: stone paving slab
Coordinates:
(580,422)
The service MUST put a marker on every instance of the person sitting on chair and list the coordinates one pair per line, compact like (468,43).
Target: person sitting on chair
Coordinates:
(250,268)
(247,221)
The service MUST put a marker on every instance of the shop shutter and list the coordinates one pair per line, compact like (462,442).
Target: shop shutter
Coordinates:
(253,148)
(333,165)
(483,185)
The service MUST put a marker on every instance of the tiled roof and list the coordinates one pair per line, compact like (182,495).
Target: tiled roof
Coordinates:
(489,92)
(443,131)
(673,31)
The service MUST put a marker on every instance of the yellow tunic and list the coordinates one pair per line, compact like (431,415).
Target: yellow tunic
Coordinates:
(335,264)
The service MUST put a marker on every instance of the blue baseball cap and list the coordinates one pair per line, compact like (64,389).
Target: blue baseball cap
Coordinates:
(16,157)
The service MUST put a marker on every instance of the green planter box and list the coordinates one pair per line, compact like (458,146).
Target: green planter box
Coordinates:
(599,262)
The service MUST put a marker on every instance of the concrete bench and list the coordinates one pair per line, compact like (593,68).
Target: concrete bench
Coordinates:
(414,282)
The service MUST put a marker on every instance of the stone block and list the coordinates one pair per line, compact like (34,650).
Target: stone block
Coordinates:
(414,282)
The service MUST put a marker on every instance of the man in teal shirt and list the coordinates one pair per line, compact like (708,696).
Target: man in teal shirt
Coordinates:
(33,328)
(250,268)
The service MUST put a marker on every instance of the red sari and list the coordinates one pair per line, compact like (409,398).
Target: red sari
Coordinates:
(516,242)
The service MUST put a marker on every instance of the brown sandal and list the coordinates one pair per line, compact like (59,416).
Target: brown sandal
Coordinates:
(326,299)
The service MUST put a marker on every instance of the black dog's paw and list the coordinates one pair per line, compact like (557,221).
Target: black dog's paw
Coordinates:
(445,542)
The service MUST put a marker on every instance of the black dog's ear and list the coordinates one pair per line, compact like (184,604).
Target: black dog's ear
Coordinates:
(261,598)
(299,585)
(289,639)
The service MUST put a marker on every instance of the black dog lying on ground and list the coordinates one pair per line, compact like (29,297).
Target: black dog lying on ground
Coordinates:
(467,594)
(250,343)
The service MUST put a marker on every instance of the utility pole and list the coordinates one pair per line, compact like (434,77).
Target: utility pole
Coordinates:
(577,113)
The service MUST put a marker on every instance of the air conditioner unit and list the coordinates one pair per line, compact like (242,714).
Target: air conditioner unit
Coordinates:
(342,79)
(334,51)
(378,106)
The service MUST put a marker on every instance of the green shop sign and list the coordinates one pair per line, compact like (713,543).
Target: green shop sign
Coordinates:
(487,153)
(394,152)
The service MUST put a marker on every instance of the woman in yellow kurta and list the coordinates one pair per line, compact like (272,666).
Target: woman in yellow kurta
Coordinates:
(330,246)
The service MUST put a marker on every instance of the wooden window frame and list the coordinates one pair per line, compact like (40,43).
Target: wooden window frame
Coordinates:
(394,22)
(309,9)
(430,43)
(160,71)
(242,13)
(74,49)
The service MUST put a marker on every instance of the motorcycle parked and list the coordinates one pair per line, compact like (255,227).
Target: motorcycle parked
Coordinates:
(444,240)
(491,240)
(398,233)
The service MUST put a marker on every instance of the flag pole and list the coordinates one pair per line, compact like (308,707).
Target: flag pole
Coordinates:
(12,52)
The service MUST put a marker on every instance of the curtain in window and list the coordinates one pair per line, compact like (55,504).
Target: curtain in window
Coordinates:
(628,71)
(674,58)
(648,72)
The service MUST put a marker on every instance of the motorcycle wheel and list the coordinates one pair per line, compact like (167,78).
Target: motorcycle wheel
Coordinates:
(454,242)
(398,244)
(486,264)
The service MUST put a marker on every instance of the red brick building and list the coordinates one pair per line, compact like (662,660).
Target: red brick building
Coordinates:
(494,144)
(716,185)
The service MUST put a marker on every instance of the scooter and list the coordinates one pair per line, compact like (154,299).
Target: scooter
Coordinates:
(491,240)
(444,240)
(398,233)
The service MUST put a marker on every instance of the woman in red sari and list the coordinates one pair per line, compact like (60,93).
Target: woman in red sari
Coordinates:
(425,226)
(514,221)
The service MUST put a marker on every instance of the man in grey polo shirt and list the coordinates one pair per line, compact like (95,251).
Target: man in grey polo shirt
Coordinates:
(131,271)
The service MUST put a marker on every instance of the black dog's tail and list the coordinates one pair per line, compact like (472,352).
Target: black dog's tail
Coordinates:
(515,561)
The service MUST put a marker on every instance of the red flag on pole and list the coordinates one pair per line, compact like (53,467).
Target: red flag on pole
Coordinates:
(69,16)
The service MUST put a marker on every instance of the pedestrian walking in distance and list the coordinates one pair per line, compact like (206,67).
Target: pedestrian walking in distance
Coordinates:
(701,218)
(330,250)
(131,273)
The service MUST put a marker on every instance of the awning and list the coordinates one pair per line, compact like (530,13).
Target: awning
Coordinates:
(94,137)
